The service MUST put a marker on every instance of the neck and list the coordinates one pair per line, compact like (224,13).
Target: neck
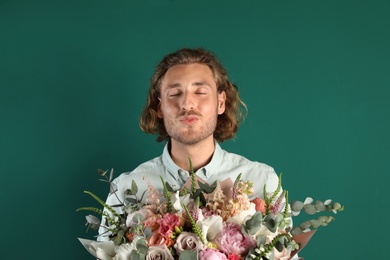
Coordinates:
(200,153)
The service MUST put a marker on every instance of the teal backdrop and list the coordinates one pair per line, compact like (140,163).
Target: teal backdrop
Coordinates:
(74,77)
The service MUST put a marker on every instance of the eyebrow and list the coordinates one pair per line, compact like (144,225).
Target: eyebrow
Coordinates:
(196,83)
(200,83)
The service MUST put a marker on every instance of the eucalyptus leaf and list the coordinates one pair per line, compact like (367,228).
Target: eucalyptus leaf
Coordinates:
(296,206)
(305,225)
(253,224)
(148,232)
(261,240)
(270,223)
(188,255)
(320,206)
(142,246)
(310,209)
(315,223)
(137,218)
(279,246)
(295,231)
(135,255)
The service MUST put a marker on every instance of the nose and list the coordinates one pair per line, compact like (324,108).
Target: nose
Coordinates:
(188,102)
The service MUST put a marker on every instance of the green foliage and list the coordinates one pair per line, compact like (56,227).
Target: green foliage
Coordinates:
(167,195)
(195,227)
(253,224)
(188,255)
(312,209)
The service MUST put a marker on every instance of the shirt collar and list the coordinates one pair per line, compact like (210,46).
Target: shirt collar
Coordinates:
(204,172)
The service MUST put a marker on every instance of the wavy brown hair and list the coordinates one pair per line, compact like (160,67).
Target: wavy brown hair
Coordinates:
(227,123)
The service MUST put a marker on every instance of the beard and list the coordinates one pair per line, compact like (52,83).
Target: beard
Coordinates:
(190,134)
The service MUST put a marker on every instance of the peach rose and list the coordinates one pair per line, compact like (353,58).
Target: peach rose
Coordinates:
(158,239)
(260,205)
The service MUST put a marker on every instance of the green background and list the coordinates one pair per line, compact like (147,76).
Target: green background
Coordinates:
(74,77)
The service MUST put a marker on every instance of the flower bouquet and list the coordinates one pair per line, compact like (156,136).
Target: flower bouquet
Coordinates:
(203,221)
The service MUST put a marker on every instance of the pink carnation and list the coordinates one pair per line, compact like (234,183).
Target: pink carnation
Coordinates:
(231,241)
(211,254)
(168,224)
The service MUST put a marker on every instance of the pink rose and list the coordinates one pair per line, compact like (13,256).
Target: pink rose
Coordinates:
(211,254)
(231,241)
(188,241)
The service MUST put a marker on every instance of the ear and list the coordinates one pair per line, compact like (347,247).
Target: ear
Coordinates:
(221,102)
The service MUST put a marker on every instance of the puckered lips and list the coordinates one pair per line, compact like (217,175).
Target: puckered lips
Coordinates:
(188,119)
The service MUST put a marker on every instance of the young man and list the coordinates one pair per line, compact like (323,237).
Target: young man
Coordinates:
(193,106)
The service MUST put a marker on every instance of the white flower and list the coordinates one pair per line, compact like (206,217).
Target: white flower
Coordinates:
(103,250)
(178,201)
(123,251)
(210,227)
(103,255)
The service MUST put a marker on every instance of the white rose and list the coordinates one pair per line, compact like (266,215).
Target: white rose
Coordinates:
(159,252)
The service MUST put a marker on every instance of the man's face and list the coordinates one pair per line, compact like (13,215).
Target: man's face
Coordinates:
(190,103)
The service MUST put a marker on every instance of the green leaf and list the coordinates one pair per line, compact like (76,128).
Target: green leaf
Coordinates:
(135,255)
(148,232)
(205,187)
(296,231)
(320,206)
(270,223)
(279,246)
(315,223)
(305,225)
(169,187)
(310,209)
(253,224)
(142,246)
(137,218)
(261,240)
(296,206)
(188,255)
(129,192)
(237,179)
(134,187)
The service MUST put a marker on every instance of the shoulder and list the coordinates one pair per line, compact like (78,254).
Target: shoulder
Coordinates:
(145,169)
(239,160)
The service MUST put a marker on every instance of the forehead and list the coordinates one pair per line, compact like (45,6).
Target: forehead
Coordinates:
(188,72)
